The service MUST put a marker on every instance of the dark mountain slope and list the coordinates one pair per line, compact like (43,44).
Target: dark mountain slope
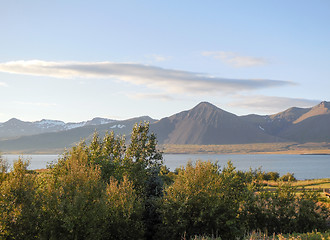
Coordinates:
(313,126)
(297,124)
(274,124)
(207,124)
(321,109)
(313,129)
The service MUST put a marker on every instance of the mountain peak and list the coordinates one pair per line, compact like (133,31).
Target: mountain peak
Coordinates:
(324,104)
(14,122)
(322,108)
(205,105)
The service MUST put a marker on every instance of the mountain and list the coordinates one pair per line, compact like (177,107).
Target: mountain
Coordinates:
(274,124)
(205,124)
(312,126)
(14,128)
(297,124)
(208,124)
(59,140)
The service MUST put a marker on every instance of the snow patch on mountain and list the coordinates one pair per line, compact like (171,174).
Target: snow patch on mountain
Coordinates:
(45,123)
(118,126)
(69,126)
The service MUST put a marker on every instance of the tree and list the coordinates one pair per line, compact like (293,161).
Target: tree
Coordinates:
(139,164)
(19,204)
(203,200)
(124,210)
(285,211)
(3,169)
(73,198)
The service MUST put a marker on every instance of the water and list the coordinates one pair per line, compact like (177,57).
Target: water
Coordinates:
(303,166)
(36,161)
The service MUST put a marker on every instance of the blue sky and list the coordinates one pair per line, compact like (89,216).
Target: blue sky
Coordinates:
(75,60)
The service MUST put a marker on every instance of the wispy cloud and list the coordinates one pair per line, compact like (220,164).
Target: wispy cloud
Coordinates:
(236,60)
(3,84)
(271,104)
(158,58)
(158,96)
(37,104)
(172,81)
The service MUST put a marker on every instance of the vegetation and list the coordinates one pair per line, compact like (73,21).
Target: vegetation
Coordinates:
(110,189)
(295,236)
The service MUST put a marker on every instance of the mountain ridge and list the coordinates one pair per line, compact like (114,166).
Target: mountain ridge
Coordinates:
(207,124)
(14,127)
(204,124)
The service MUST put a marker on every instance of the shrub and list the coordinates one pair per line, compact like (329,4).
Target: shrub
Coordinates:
(203,201)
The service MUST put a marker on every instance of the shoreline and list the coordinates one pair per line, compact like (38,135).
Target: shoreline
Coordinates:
(228,149)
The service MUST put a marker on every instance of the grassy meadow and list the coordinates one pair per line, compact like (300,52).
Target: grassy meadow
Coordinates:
(262,236)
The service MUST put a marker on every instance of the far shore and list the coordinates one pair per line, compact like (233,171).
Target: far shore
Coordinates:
(257,148)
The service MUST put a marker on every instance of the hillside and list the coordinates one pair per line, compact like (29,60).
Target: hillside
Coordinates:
(207,124)
(57,141)
(297,124)
(15,128)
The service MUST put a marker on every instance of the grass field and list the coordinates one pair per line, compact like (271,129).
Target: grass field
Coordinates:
(318,185)
(262,236)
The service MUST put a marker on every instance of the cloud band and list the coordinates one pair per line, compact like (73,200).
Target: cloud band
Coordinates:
(174,81)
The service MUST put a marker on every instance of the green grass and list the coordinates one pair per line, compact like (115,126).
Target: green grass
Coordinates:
(262,236)
(308,184)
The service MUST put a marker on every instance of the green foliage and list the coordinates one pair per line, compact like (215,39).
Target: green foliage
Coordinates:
(289,177)
(203,200)
(118,175)
(310,214)
(3,169)
(73,199)
(124,211)
(284,211)
(142,158)
(19,204)
(269,176)
(110,189)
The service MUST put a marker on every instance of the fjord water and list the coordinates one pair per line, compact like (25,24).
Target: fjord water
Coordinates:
(303,166)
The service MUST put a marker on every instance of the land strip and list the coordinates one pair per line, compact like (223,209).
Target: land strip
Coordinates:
(257,148)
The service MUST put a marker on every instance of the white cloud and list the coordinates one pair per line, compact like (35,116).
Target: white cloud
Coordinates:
(236,60)
(3,84)
(172,81)
(158,58)
(37,104)
(158,96)
(271,104)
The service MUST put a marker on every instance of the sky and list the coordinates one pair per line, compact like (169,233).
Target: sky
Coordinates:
(73,60)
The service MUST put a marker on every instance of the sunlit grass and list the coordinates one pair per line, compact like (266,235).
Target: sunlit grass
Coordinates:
(262,236)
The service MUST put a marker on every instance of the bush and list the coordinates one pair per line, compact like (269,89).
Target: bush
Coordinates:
(203,201)
(289,177)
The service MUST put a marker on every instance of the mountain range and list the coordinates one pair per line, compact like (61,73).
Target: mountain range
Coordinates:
(204,124)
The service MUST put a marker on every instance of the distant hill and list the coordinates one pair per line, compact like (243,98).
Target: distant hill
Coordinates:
(205,124)
(67,138)
(14,128)
(208,124)
(297,124)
